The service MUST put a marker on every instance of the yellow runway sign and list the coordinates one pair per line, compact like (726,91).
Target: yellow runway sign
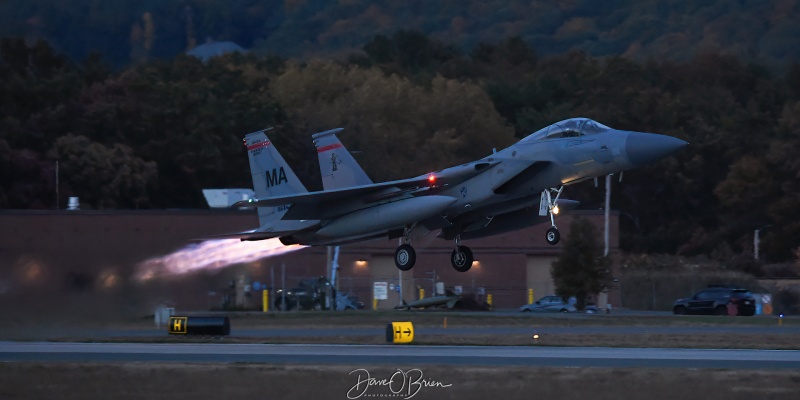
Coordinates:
(177,325)
(400,332)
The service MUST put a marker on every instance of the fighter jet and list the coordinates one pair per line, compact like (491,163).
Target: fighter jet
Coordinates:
(507,190)
(449,299)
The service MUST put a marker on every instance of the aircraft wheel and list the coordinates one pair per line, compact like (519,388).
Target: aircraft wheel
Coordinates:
(552,235)
(405,257)
(461,258)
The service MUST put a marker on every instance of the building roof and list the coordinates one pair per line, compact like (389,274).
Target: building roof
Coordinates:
(209,50)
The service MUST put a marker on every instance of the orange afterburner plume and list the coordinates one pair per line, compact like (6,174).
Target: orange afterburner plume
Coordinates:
(210,255)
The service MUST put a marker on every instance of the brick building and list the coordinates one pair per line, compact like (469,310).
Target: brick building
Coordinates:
(52,248)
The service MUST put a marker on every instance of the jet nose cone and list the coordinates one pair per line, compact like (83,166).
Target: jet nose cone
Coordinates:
(645,148)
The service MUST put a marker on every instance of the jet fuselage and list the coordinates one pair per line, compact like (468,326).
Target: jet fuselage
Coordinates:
(500,186)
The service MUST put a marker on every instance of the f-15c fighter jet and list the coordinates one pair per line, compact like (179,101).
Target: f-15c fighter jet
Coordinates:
(510,189)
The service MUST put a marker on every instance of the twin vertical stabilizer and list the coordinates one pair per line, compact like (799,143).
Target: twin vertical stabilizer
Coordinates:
(272,176)
(338,168)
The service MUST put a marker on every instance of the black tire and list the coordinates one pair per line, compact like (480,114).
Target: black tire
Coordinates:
(564,311)
(552,236)
(721,310)
(527,310)
(405,257)
(461,258)
(679,310)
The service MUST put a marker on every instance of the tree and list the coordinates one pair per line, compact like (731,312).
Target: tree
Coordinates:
(105,177)
(581,270)
(402,129)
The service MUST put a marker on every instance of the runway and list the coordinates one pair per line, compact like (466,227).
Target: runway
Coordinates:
(408,355)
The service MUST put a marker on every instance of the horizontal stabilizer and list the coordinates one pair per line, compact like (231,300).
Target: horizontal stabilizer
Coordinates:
(244,236)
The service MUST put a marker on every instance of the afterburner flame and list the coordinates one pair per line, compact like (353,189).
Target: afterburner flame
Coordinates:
(210,255)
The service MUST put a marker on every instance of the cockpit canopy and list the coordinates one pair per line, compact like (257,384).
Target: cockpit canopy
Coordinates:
(572,127)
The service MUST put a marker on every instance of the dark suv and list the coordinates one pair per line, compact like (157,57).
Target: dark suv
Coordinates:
(716,300)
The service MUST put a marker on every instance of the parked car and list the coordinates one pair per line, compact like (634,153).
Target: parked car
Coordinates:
(549,304)
(715,300)
(591,308)
(308,295)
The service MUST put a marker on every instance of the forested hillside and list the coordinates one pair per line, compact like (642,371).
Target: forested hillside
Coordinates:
(153,135)
(132,31)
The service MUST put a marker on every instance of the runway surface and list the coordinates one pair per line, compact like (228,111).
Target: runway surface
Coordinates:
(400,355)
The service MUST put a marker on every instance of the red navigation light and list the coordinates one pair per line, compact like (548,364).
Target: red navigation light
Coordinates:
(431,179)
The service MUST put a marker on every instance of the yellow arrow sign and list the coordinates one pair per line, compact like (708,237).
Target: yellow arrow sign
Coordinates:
(400,332)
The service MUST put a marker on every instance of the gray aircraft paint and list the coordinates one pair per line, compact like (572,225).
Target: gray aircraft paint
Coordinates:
(272,177)
(459,199)
(336,164)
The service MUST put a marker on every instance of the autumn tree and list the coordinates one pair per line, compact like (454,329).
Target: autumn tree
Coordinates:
(784,208)
(581,270)
(411,104)
(187,116)
(410,52)
(104,177)
(400,128)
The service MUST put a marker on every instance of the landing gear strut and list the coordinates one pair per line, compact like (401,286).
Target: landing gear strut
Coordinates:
(461,258)
(549,206)
(405,256)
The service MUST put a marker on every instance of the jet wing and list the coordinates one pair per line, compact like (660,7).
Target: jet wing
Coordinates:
(308,205)
(334,195)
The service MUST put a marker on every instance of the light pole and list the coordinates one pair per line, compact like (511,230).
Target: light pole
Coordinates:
(757,240)
(607,212)
(433,282)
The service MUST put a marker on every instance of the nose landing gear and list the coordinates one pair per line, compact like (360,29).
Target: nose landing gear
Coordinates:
(548,206)
(552,235)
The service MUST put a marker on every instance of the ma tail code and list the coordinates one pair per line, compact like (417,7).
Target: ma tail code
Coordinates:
(275,177)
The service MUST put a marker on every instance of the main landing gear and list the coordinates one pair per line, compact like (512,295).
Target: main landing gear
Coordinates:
(461,258)
(405,256)
(549,206)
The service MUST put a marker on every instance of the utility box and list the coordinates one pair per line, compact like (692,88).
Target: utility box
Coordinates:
(161,315)
(74,204)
